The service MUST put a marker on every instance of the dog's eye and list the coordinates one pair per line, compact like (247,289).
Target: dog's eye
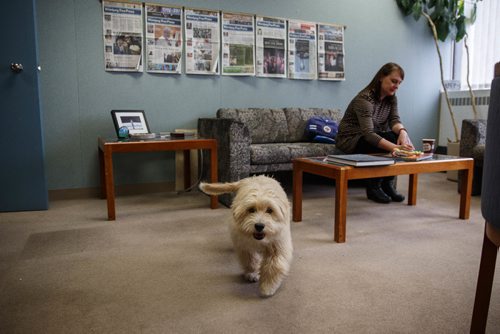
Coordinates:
(269,210)
(251,210)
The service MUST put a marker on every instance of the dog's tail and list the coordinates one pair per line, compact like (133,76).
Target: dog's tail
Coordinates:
(219,188)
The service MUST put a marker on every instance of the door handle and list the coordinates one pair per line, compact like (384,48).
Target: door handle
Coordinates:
(16,68)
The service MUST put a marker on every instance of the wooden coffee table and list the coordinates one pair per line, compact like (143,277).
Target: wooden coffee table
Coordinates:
(342,174)
(107,147)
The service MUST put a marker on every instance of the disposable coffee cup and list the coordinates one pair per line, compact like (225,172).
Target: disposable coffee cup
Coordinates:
(428,145)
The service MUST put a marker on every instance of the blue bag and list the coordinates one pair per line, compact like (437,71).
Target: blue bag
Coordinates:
(321,129)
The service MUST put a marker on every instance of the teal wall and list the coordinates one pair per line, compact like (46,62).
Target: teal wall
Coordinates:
(77,94)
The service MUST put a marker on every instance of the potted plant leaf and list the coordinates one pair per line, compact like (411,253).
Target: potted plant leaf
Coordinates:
(446,19)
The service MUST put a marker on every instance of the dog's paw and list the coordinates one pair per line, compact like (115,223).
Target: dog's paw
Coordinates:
(252,277)
(269,287)
(268,291)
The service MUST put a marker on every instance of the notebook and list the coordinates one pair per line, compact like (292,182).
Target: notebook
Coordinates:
(359,160)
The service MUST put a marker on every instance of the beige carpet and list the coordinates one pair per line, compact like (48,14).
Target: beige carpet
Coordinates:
(166,266)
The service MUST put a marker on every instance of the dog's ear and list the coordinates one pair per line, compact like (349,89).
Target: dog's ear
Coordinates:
(219,188)
(239,212)
(284,209)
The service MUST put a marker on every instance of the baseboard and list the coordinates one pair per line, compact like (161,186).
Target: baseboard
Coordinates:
(126,189)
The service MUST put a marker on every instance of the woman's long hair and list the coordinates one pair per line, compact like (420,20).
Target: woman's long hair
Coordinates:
(383,72)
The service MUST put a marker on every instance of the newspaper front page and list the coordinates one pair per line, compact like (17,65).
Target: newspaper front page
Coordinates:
(301,50)
(238,44)
(330,52)
(202,41)
(271,51)
(122,33)
(163,39)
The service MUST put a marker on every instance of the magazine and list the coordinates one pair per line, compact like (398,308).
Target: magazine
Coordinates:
(359,160)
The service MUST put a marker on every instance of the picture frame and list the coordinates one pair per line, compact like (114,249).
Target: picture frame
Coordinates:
(134,120)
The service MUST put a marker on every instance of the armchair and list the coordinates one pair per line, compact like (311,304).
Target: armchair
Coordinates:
(472,140)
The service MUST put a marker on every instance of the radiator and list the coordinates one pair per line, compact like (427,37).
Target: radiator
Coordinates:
(462,109)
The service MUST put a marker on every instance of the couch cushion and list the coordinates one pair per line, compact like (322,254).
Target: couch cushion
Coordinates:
(301,150)
(297,119)
(264,154)
(266,125)
(278,153)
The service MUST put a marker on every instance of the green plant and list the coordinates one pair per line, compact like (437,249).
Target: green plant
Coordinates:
(447,19)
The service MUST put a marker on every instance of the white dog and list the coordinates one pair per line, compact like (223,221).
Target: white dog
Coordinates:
(260,229)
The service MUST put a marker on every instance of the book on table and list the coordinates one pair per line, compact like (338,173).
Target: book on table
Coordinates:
(359,160)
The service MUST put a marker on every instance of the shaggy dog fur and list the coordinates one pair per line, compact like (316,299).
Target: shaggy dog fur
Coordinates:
(260,229)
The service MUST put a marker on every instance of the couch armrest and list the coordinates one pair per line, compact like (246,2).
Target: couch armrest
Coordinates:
(233,146)
(473,134)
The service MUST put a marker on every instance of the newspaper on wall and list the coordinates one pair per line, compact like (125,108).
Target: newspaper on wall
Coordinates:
(163,39)
(202,30)
(238,44)
(122,33)
(270,42)
(330,52)
(301,50)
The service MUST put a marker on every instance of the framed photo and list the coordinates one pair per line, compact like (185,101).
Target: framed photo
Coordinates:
(134,120)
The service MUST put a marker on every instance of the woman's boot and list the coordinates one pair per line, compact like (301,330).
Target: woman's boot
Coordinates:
(374,191)
(389,188)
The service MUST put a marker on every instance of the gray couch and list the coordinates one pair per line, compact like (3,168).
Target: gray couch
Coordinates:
(472,140)
(261,140)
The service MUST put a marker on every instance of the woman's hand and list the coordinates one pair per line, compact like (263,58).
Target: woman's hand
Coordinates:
(405,147)
(404,141)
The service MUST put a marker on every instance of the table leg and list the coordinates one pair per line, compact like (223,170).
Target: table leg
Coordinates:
(484,285)
(101,172)
(340,208)
(297,194)
(465,192)
(412,189)
(110,186)
(213,175)
(187,169)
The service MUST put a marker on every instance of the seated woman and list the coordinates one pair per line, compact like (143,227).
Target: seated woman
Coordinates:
(371,124)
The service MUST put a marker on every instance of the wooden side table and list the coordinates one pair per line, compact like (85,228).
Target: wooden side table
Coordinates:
(109,146)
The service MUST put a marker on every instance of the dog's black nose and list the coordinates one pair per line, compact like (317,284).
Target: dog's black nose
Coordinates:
(259,227)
